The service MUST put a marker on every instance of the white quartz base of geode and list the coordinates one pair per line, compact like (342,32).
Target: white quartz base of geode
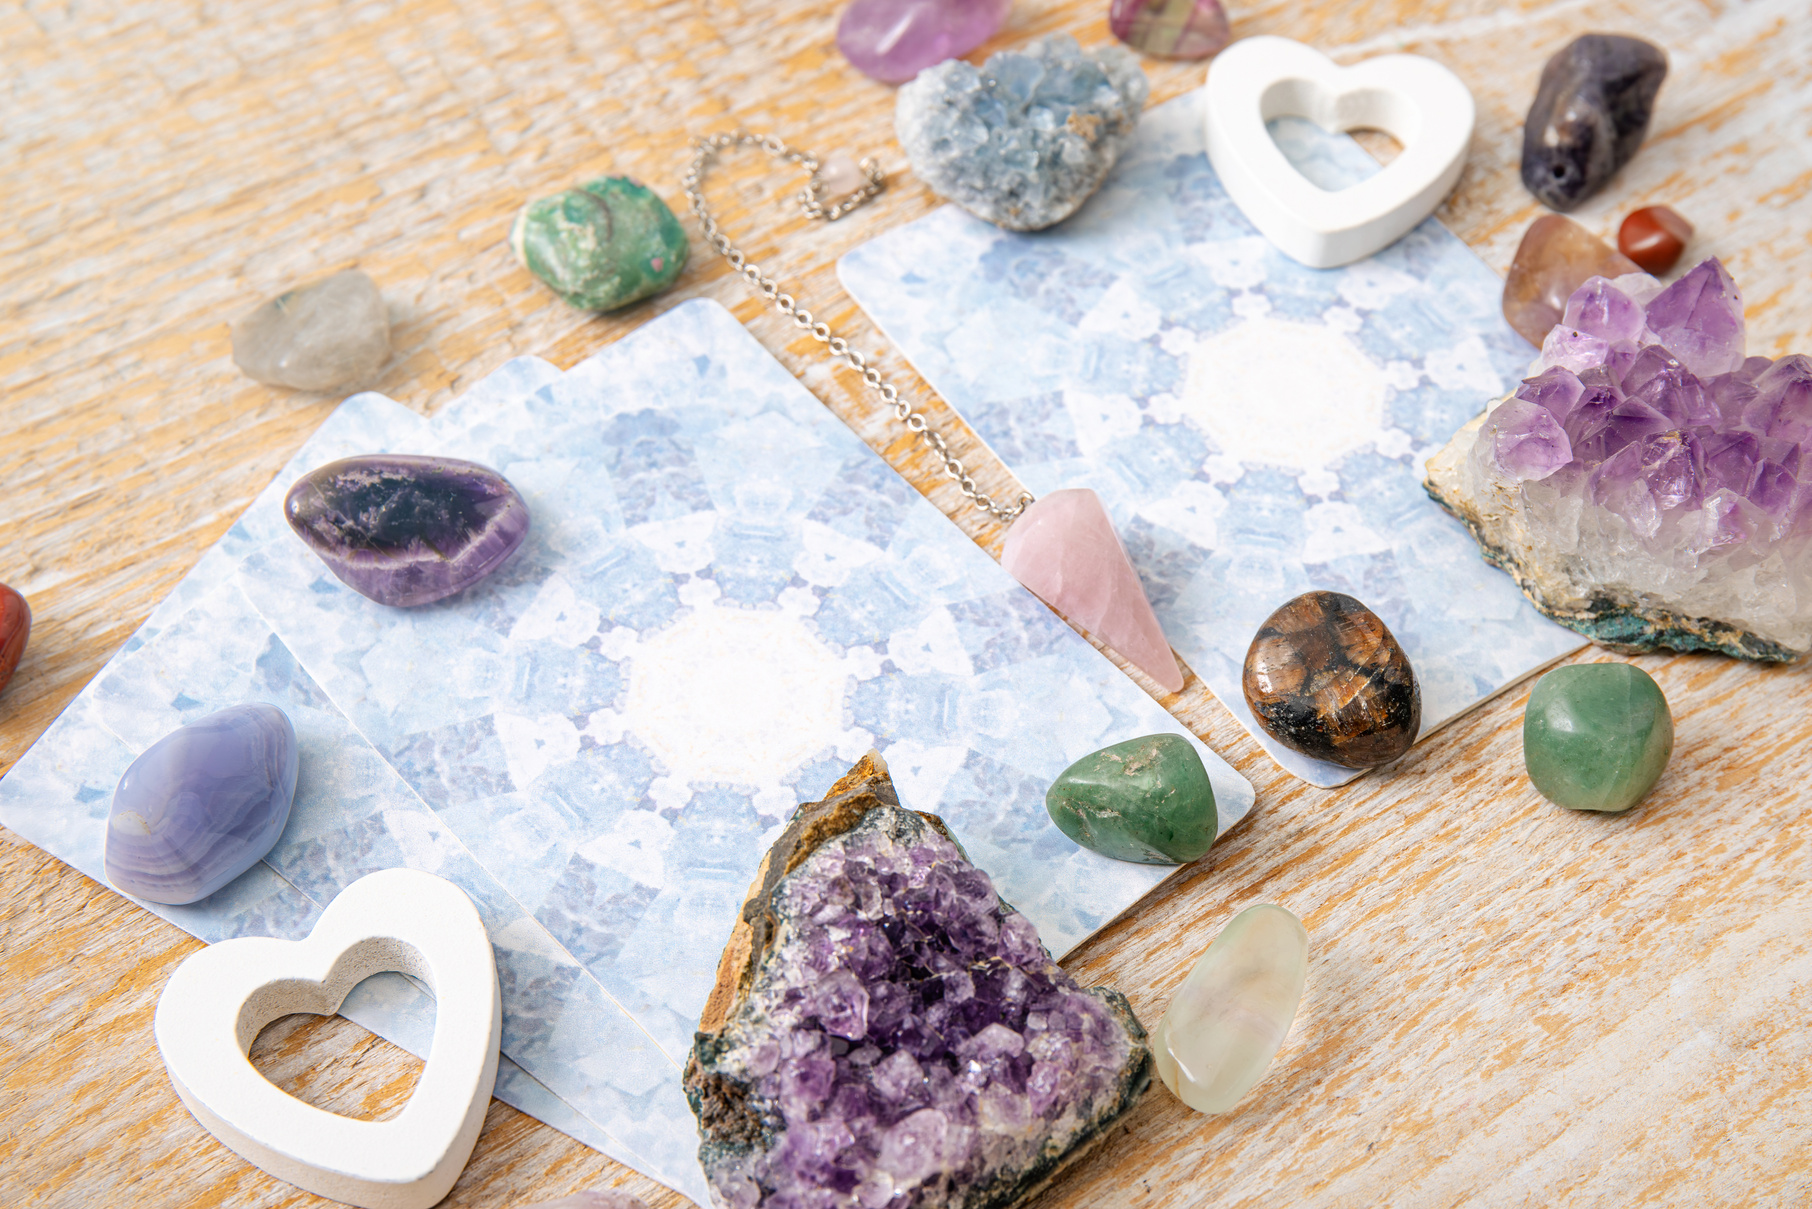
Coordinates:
(1585,567)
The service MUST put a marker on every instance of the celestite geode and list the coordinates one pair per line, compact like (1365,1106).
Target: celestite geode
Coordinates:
(1646,484)
(885,1031)
(1024,140)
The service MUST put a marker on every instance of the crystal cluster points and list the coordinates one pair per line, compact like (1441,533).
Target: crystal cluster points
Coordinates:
(1026,139)
(907,1041)
(1646,483)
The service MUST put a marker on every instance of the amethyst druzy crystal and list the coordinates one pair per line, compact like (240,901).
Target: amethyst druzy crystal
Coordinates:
(886,1032)
(407,530)
(202,805)
(1645,484)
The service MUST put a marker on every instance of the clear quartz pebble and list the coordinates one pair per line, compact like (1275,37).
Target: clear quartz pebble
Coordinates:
(1227,1020)
(330,335)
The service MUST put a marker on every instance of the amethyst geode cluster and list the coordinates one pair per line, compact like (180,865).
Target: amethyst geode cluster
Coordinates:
(1646,484)
(886,1032)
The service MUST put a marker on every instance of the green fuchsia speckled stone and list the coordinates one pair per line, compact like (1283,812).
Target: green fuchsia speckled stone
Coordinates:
(1597,736)
(602,245)
(1146,800)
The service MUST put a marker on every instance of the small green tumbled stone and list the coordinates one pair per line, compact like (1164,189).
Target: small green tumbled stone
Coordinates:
(1146,800)
(602,245)
(1596,736)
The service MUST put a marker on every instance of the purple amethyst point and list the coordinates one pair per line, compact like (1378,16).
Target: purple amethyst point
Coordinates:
(407,530)
(885,1031)
(1699,319)
(202,805)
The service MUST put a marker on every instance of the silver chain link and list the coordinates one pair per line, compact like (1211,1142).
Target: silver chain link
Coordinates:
(705,152)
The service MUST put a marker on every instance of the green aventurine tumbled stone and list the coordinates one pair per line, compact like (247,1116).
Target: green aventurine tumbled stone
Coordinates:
(1146,800)
(602,245)
(1597,735)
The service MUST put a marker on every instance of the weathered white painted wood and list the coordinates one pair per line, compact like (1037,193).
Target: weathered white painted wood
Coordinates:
(1509,1004)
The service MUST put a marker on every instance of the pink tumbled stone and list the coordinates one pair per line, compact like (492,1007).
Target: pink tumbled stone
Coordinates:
(1171,29)
(894,40)
(1064,549)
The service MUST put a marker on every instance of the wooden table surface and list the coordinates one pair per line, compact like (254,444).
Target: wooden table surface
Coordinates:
(1509,1004)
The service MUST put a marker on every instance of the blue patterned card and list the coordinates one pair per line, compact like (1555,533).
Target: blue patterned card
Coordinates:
(1256,428)
(725,599)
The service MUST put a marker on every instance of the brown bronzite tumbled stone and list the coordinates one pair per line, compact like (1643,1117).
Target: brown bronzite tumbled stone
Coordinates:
(1327,678)
(885,1031)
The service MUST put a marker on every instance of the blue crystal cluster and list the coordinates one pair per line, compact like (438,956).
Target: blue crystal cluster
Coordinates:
(1026,139)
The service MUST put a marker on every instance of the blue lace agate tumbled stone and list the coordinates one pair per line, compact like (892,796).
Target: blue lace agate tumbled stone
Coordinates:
(202,805)
(407,530)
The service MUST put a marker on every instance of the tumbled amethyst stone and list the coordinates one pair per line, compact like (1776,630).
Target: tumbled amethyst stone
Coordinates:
(1589,115)
(904,1040)
(202,805)
(894,40)
(407,530)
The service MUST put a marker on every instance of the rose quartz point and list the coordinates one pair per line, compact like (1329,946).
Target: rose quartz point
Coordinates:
(1065,551)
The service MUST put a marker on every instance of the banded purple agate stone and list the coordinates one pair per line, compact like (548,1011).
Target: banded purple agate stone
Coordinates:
(887,1032)
(1648,484)
(202,805)
(407,530)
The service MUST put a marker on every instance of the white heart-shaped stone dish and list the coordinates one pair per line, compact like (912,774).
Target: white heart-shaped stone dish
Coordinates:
(1415,100)
(219,999)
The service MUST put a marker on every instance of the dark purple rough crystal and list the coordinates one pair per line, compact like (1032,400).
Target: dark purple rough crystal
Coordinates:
(407,530)
(202,805)
(887,1032)
(1590,115)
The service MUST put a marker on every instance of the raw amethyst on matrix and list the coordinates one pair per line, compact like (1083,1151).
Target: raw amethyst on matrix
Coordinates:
(1646,483)
(885,1031)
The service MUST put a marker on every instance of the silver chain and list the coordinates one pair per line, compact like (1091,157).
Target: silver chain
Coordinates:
(705,153)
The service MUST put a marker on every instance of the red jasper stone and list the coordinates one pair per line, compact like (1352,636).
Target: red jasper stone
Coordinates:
(15,628)
(1654,237)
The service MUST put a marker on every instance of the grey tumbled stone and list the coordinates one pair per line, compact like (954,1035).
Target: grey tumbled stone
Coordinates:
(330,335)
(1024,140)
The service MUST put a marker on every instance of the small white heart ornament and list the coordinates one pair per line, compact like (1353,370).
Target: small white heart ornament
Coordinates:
(1417,101)
(219,999)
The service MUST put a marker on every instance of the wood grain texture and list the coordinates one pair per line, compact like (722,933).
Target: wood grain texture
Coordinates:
(1508,1004)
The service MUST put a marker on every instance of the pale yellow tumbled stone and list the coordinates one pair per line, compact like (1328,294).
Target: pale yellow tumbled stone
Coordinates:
(1227,1020)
